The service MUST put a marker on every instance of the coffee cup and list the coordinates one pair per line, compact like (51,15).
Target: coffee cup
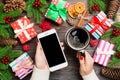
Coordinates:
(77,38)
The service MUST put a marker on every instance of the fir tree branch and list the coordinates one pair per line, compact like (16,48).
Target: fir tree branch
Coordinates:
(5,50)
(3,66)
(4,33)
(1,8)
(5,75)
(115,39)
(14,54)
(13,14)
(107,34)
(117,24)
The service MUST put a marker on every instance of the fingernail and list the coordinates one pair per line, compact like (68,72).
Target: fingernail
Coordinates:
(81,57)
(36,43)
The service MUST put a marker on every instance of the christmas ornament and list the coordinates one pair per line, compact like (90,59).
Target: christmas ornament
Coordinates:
(9,41)
(97,5)
(45,25)
(111,73)
(14,5)
(113,8)
(36,8)
(93,42)
(26,47)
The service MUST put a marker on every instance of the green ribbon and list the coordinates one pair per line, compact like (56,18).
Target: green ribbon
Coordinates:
(59,11)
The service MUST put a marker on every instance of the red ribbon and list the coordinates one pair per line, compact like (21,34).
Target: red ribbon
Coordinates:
(97,24)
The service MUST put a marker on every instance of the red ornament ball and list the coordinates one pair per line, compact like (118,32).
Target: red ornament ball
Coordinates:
(5,59)
(26,47)
(93,42)
(118,55)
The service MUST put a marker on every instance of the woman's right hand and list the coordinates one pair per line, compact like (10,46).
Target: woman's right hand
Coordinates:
(86,63)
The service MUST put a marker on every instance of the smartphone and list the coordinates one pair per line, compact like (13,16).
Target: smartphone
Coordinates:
(52,50)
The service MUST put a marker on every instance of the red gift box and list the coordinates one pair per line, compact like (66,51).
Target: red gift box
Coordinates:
(24,29)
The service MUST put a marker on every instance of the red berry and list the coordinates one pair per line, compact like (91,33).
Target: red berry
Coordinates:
(26,47)
(93,43)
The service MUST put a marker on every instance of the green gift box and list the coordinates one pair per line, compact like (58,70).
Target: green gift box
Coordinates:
(57,11)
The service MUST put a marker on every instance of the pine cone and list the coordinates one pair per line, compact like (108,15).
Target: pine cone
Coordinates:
(14,5)
(112,73)
(8,8)
(18,5)
(4,41)
(8,1)
(113,8)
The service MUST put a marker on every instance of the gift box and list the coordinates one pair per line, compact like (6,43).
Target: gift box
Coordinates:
(57,11)
(22,66)
(99,25)
(103,52)
(23,29)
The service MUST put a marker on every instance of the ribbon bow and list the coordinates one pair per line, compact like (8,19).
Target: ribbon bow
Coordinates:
(23,67)
(99,51)
(96,22)
(60,11)
(23,27)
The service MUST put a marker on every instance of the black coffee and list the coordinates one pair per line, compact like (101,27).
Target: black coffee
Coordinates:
(78,38)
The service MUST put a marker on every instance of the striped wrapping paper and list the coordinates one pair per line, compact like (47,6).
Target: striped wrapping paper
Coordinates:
(22,66)
(97,32)
(103,53)
(57,2)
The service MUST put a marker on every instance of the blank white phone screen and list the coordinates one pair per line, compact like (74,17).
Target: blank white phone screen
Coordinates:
(52,50)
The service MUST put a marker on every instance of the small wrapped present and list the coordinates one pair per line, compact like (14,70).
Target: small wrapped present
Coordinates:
(24,30)
(57,11)
(22,66)
(103,52)
(99,25)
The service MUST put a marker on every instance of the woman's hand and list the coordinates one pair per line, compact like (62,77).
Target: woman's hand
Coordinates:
(40,61)
(86,63)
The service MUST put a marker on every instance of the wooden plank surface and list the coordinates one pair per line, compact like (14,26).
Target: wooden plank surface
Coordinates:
(72,71)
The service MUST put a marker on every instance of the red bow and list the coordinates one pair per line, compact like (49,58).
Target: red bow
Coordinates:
(96,22)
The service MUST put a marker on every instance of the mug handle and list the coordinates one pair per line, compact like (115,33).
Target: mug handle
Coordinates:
(82,53)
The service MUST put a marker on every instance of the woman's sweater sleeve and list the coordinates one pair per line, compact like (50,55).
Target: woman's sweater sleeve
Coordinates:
(91,76)
(40,74)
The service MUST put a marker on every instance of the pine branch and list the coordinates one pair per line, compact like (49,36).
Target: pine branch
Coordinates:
(115,39)
(5,75)
(114,61)
(1,8)
(5,50)
(117,24)
(117,47)
(11,32)
(13,14)
(3,66)
(4,26)
(14,54)
(107,34)
(4,33)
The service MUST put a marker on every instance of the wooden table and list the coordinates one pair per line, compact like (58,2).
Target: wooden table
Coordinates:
(72,71)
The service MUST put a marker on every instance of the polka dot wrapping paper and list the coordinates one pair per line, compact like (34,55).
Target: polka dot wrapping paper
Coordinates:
(24,29)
